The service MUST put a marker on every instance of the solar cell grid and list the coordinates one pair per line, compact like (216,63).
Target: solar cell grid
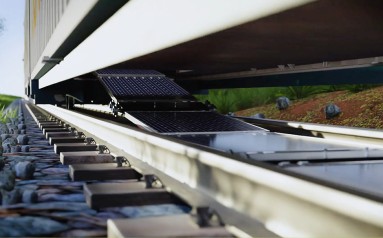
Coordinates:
(172,122)
(141,86)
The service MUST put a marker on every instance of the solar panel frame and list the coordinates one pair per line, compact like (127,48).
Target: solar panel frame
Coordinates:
(128,72)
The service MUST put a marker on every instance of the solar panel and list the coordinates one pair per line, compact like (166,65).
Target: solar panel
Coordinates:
(143,84)
(175,122)
(363,176)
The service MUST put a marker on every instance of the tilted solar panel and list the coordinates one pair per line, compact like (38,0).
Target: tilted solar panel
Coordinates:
(173,122)
(137,84)
(143,87)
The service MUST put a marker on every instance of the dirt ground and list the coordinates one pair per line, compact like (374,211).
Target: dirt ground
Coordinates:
(361,109)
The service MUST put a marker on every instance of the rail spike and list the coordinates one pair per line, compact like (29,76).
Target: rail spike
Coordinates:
(80,134)
(102,149)
(120,160)
(152,181)
(90,141)
(206,217)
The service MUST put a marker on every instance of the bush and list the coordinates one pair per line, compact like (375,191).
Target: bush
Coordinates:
(230,100)
(298,92)
(354,88)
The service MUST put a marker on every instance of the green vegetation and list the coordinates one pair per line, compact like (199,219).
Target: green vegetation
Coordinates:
(231,100)
(10,114)
(7,115)
(298,92)
(5,100)
(354,88)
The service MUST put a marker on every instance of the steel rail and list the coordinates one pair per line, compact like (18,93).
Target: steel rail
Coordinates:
(369,137)
(284,202)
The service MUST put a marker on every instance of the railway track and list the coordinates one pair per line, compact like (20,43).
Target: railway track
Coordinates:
(160,145)
(250,194)
(202,206)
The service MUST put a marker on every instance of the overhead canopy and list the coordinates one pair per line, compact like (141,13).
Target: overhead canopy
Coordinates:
(322,35)
(308,33)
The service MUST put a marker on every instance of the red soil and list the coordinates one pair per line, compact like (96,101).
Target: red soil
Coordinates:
(362,109)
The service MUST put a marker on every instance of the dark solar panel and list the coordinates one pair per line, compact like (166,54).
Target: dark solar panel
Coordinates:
(140,86)
(173,122)
(143,84)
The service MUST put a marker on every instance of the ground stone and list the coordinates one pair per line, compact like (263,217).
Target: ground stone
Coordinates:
(2,163)
(30,226)
(16,158)
(80,224)
(6,148)
(12,197)
(29,196)
(110,215)
(25,170)
(60,206)
(25,148)
(11,141)
(21,126)
(7,180)
(89,212)
(4,129)
(22,139)
(85,233)
(283,103)
(5,136)
(15,149)
(62,197)
(153,210)
(331,110)
(64,170)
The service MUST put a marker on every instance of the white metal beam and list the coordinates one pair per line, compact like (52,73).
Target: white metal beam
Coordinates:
(143,27)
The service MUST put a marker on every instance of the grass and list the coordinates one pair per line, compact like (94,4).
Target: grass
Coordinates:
(230,100)
(7,115)
(5,100)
